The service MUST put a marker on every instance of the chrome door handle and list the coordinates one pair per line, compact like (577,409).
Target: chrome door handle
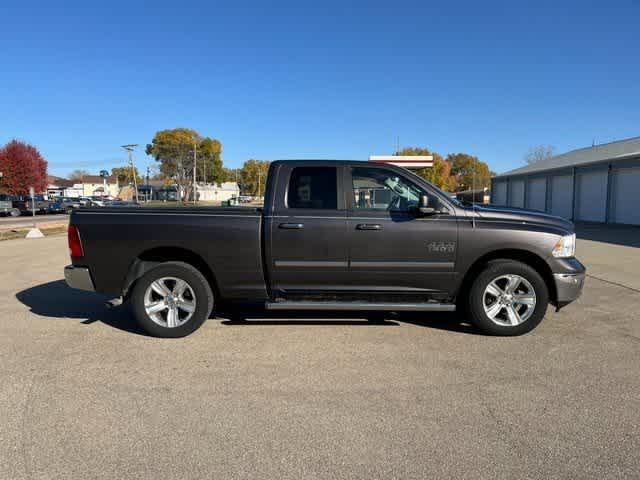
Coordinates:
(291,226)
(369,226)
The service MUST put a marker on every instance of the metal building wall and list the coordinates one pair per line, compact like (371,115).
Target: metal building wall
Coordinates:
(605,192)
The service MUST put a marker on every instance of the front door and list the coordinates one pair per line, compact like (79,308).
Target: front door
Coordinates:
(307,232)
(392,248)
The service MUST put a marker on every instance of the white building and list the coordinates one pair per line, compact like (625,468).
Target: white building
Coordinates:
(95,185)
(218,193)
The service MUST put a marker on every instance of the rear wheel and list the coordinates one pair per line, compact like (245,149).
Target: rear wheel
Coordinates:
(14,212)
(508,298)
(172,300)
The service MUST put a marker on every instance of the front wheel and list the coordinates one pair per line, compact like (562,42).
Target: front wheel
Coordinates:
(14,212)
(172,300)
(508,298)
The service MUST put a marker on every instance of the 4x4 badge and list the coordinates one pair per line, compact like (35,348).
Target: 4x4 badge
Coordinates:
(442,247)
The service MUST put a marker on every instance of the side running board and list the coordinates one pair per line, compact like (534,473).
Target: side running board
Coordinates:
(361,306)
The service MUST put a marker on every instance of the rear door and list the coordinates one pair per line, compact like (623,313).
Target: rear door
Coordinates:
(307,231)
(391,248)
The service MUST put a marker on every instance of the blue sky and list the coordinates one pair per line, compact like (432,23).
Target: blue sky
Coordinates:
(318,79)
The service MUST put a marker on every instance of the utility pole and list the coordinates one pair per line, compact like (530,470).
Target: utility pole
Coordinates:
(129,148)
(104,174)
(148,186)
(204,171)
(195,189)
(259,181)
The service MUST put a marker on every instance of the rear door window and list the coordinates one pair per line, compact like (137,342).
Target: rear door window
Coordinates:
(313,188)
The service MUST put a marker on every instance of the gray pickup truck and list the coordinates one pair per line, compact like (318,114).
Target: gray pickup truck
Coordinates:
(332,235)
(6,206)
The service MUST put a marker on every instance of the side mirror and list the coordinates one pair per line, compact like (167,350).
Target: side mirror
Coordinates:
(423,206)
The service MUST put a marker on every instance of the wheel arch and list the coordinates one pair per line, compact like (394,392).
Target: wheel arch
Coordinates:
(149,259)
(529,258)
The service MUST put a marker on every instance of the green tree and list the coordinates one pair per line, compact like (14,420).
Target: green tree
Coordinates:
(125,175)
(469,171)
(254,176)
(210,160)
(232,175)
(174,149)
(439,174)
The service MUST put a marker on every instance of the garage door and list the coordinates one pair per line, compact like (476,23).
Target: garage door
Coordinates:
(591,196)
(536,194)
(625,185)
(500,193)
(516,193)
(562,196)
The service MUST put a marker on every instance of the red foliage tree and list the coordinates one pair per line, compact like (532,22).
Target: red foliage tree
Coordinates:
(22,167)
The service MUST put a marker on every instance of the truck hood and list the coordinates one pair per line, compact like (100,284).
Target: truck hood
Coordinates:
(522,215)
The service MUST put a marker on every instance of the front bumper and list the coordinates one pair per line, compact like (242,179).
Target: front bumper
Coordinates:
(568,287)
(78,277)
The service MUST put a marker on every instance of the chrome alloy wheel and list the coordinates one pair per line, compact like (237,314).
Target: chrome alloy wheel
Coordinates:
(509,300)
(169,302)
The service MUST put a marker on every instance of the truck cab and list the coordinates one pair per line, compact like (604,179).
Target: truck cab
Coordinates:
(356,229)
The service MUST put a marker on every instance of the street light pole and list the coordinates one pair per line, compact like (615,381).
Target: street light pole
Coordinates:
(129,148)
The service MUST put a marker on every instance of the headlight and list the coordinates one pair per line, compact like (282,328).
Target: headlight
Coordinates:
(566,247)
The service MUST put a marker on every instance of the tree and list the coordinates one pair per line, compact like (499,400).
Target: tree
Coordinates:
(539,153)
(125,175)
(210,160)
(22,166)
(174,150)
(77,175)
(231,175)
(439,174)
(469,171)
(254,176)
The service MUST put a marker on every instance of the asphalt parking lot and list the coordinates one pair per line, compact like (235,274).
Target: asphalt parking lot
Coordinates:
(83,394)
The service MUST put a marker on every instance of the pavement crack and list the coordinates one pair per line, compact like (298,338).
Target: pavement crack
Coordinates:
(614,283)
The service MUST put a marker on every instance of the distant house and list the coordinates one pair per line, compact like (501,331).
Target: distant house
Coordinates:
(157,190)
(95,185)
(218,192)
(208,192)
(56,186)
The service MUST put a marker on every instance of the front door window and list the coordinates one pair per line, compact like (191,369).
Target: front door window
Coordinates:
(379,189)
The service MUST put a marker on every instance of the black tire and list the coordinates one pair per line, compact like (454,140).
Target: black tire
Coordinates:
(494,270)
(201,293)
(14,212)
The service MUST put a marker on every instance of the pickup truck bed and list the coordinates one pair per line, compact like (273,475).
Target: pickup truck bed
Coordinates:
(227,240)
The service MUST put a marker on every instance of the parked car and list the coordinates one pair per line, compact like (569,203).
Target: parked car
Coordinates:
(24,204)
(333,235)
(55,206)
(88,202)
(6,206)
(69,203)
